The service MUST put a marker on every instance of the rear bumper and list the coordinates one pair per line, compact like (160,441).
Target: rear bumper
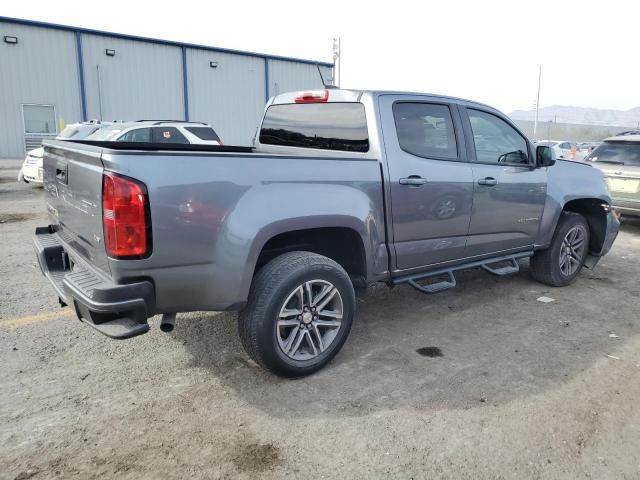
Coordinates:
(625,206)
(117,311)
(32,172)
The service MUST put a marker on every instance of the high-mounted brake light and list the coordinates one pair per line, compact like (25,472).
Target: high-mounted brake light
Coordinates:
(125,215)
(314,96)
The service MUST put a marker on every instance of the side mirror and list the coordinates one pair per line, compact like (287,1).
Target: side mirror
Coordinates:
(545,156)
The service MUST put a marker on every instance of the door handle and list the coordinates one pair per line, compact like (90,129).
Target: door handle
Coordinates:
(413,180)
(61,172)
(488,182)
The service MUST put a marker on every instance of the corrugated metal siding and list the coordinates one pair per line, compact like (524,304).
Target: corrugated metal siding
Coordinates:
(142,80)
(285,76)
(231,97)
(41,68)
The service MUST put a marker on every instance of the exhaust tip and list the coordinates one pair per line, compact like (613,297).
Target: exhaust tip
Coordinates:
(168,322)
(167,327)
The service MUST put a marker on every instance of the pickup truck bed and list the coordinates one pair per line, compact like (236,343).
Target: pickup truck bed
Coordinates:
(341,190)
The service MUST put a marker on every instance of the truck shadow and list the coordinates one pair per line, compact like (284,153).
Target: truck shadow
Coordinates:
(485,343)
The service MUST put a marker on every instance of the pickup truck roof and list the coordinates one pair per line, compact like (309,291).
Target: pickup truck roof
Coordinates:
(348,95)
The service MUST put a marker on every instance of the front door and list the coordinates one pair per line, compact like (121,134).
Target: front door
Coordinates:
(509,192)
(431,182)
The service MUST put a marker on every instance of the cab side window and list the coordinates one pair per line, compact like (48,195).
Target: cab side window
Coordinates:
(496,141)
(425,130)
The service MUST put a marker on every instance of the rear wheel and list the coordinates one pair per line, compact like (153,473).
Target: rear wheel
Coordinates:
(299,313)
(559,264)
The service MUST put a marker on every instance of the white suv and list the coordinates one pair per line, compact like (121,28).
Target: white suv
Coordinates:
(31,171)
(562,149)
(159,131)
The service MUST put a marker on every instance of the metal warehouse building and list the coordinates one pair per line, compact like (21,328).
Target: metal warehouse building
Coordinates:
(52,73)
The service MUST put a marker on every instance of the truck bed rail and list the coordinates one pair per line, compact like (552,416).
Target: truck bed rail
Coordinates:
(152,147)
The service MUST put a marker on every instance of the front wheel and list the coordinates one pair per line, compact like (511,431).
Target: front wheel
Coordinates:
(559,264)
(299,314)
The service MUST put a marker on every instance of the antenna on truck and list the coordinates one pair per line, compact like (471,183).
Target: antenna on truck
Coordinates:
(324,84)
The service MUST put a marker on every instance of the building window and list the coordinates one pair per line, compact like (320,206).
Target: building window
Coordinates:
(39,119)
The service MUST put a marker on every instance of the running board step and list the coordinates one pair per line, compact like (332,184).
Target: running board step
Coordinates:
(436,287)
(506,270)
(441,286)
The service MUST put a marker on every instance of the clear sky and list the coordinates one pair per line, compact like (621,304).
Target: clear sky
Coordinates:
(485,50)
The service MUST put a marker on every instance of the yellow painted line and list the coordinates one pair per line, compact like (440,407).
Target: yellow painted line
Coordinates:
(41,317)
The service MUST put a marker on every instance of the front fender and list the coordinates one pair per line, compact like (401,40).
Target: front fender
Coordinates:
(611,230)
(566,182)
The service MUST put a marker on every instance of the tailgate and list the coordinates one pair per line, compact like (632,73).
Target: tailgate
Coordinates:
(73,190)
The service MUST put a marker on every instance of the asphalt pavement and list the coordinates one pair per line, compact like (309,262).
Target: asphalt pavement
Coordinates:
(483,381)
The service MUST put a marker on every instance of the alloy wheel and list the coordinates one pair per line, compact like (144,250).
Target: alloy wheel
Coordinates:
(572,250)
(309,320)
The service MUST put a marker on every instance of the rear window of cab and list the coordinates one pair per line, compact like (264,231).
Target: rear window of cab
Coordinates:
(326,126)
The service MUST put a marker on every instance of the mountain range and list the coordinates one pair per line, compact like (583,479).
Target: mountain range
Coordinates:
(586,116)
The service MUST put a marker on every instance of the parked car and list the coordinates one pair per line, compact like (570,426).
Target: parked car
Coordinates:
(566,150)
(619,158)
(588,147)
(31,171)
(160,131)
(342,189)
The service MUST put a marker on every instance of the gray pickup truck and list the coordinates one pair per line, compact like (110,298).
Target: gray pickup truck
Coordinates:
(341,189)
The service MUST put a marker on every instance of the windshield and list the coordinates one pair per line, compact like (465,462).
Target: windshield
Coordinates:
(617,152)
(106,134)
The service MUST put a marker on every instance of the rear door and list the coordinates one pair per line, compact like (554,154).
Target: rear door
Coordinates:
(431,182)
(73,191)
(508,191)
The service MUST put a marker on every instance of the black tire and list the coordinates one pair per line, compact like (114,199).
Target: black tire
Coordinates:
(545,264)
(272,285)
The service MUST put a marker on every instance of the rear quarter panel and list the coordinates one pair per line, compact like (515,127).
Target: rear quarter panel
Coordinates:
(212,214)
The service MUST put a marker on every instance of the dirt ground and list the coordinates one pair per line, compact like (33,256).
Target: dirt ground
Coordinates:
(480,382)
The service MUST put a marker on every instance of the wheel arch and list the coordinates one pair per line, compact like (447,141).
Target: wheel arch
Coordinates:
(344,244)
(595,213)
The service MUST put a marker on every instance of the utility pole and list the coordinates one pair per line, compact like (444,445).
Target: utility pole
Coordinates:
(337,51)
(535,123)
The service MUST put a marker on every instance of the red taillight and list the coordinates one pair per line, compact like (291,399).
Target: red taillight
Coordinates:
(125,217)
(315,96)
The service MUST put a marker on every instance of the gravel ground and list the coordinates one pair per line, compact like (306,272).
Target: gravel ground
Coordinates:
(483,381)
